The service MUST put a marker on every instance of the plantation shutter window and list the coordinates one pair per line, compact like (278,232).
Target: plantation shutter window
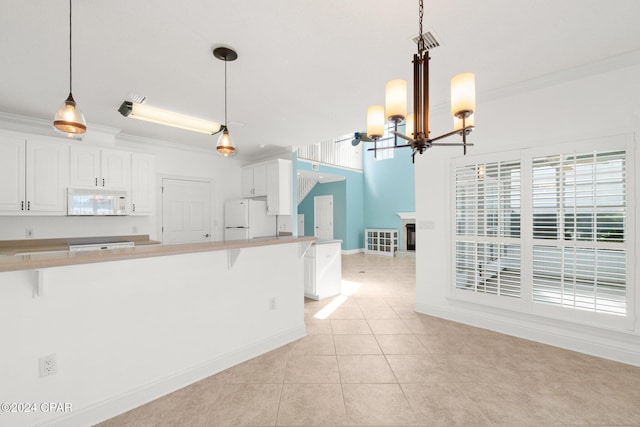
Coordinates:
(487,245)
(579,231)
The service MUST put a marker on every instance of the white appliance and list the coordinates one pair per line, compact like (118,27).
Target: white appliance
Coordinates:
(246,219)
(81,201)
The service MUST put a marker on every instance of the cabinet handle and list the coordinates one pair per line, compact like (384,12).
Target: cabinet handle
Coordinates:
(206,235)
(134,207)
(96,182)
(103,182)
(29,205)
(22,205)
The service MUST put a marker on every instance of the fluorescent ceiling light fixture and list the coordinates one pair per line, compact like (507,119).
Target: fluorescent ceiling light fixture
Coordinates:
(147,113)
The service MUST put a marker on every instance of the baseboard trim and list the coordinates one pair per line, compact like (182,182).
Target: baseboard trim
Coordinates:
(352,251)
(628,352)
(129,400)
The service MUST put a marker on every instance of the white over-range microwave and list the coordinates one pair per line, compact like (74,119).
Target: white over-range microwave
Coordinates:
(96,202)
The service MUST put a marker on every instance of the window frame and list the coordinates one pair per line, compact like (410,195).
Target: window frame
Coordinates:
(526,304)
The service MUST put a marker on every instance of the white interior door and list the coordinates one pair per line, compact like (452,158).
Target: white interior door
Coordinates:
(185,211)
(300,224)
(323,217)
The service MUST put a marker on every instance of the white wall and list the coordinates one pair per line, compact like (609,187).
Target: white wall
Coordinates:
(549,111)
(127,332)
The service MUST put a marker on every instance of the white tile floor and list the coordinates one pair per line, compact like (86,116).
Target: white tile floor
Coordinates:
(373,361)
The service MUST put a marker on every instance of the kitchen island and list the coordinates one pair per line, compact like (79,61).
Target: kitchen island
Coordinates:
(128,325)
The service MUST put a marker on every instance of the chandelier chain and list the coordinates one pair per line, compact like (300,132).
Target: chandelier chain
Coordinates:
(421,47)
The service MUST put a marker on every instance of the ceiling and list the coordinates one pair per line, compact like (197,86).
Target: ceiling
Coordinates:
(306,70)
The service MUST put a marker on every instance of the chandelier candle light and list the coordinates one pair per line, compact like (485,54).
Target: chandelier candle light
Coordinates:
(69,119)
(463,100)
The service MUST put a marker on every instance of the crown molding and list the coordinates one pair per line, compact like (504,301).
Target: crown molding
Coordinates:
(33,125)
(612,63)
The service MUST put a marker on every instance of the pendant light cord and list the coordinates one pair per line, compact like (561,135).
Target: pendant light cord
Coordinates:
(225,92)
(70,51)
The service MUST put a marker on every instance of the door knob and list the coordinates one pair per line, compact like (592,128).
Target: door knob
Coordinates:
(206,235)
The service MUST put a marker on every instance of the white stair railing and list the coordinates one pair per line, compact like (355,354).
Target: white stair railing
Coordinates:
(305,185)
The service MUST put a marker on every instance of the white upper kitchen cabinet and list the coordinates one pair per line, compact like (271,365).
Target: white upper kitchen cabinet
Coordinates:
(254,180)
(32,175)
(100,167)
(142,187)
(279,187)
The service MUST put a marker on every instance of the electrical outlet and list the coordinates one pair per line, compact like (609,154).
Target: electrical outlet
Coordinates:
(29,233)
(272,303)
(48,365)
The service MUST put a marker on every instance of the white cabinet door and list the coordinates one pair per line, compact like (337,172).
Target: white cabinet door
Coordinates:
(84,170)
(12,174)
(310,273)
(254,180)
(32,176)
(247,181)
(46,165)
(260,180)
(103,168)
(142,187)
(279,187)
(115,167)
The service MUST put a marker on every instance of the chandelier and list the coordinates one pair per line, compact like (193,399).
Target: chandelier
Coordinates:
(463,100)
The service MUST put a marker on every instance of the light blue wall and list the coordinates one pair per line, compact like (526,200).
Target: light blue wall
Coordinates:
(389,187)
(348,202)
(368,199)
(339,192)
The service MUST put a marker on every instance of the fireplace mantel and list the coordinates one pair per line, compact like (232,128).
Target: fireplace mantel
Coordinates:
(406,215)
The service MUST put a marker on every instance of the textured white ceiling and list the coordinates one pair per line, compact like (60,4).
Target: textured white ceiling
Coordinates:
(307,70)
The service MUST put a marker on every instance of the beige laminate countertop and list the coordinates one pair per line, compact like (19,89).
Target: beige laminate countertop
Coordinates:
(59,257)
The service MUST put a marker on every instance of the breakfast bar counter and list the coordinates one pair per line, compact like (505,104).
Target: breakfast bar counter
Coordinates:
(54,253)
(128,325)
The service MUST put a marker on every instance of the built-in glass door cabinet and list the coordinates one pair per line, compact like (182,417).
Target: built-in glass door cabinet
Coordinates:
(142,184)
(279,187)
(32,175)
(100,167)
(254,180)
(381,241)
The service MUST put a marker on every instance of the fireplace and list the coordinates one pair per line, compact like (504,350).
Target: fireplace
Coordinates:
(411,237)
(407,231)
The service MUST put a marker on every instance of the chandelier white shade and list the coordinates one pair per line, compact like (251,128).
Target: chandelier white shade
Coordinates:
(375,121)
(463,94)
(396,100)
(408,126)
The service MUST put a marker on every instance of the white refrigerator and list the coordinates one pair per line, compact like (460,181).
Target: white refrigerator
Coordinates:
(246,219)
